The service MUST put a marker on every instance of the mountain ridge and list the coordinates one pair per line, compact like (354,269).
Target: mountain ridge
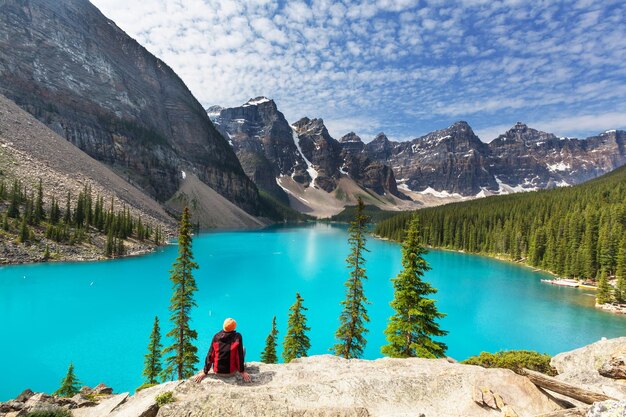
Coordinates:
(445,165)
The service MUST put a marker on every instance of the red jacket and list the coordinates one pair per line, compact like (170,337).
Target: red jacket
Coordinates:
(226,353)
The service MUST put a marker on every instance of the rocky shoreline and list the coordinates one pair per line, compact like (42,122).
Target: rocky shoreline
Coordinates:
(331,386)
(12,253)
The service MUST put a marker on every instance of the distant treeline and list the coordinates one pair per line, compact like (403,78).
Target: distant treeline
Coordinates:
(24,211)
(374,213)
(576,232)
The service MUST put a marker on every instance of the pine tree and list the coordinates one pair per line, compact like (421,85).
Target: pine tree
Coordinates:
(70,385)
(296,343)
(39,213)
(604,295)
(620,289)
(46,254)
(410,330)
(351,331)
(269,352)
(183,354)
(24,235)
(5,222)
(55,211)
(152,363)
(67,216)
(15,200)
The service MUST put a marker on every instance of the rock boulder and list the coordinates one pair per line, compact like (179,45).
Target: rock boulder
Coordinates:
(582,366)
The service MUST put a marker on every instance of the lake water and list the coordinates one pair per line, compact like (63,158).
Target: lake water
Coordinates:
(99,315)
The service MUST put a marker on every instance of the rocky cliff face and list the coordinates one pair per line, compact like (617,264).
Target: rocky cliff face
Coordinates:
(454,160)
(270,149)
(366,171)
(76,71)
(263,142)
(533,159)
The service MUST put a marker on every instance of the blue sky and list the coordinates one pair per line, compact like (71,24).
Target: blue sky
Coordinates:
(405,67)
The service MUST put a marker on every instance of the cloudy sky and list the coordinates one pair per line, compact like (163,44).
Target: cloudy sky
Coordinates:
(404,67)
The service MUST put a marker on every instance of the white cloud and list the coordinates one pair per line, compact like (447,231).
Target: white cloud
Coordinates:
(404,65)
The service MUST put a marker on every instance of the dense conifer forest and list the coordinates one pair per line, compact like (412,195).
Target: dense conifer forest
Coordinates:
(577,232)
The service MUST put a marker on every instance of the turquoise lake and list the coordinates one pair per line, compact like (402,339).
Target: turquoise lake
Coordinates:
(98,315)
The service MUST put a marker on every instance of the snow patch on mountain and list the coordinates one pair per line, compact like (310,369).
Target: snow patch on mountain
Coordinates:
(256,101)
(440,194)
(310,169)
(560,166)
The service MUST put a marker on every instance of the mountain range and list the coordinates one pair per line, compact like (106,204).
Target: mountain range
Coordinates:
(295,162)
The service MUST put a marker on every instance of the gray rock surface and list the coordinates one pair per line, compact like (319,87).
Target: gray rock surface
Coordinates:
(143,403)
(330,386)
(614,367)
(608,409)
(103,409)
(581,366)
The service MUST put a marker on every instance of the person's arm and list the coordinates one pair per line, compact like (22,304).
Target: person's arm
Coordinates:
(241,351)
(208,362)
(210,358)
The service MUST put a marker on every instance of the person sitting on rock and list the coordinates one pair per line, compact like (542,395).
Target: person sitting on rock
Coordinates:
(226,354)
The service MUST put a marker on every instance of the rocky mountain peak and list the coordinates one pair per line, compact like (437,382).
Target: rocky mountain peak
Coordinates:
(380,138)
(521,133)
(350,137)
(259,101)
(351,143)
(310,125)
(214,111)
(460,125)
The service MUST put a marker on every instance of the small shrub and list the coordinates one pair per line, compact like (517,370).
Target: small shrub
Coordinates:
(514,360)
(54,412)
(165,398)
(144,386)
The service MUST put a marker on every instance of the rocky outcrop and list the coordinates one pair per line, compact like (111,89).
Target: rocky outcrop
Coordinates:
(456,161)
(583,366)
(327,385)
(76,71)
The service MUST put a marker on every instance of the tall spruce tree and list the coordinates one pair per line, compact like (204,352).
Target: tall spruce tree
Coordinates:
(70,385)
(604,294)
(351,331)
(182,353)
(296,343)
(39,213)
(620,289)
(269,352)
(152,363)
(411,328)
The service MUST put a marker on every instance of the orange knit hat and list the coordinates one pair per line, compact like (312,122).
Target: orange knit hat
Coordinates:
(229,325)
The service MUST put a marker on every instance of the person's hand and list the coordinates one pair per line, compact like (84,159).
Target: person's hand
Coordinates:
(246,376)
(199,377)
